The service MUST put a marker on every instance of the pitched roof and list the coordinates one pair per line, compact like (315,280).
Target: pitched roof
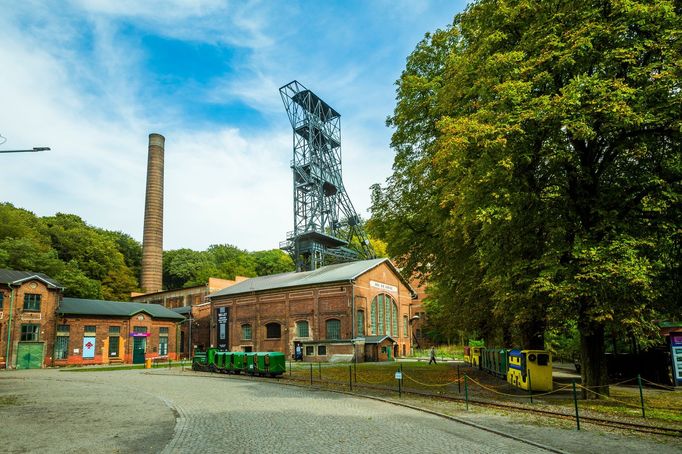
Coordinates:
(341,272)
(78,306)
(377,339)
(17,277)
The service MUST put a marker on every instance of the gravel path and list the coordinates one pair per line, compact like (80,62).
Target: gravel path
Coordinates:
(175,412)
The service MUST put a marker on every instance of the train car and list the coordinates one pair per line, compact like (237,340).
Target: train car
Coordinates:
(494,361)
(472,356)
(530,369)
(199,361)
(270,364)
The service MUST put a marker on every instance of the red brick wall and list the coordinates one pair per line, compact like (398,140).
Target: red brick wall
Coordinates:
(45,318)
(77,326)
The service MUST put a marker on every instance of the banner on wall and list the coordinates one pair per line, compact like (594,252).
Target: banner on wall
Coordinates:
(88,347)
(222,315)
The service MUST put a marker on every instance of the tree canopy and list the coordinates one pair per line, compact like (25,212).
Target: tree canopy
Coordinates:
(537,172)
(101,264)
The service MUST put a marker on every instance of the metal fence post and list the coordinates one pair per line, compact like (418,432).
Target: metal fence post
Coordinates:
(311,374)
(641,394)
(459,383)
(350,377)
(466,391)
(319,369)
(575,401)
(530,387)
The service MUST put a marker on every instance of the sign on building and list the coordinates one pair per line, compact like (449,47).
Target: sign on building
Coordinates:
(384,287)
(89,347)
(676,351)
(222,315)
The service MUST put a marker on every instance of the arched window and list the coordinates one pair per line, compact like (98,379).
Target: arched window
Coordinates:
(273,330)
(361,323)
(333,329)
(246,332)
(384,314)
(302,329)
(404,325)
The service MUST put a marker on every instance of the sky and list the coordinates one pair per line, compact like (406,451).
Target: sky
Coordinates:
(91,79)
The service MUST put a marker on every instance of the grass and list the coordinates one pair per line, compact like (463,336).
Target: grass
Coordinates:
(163,365)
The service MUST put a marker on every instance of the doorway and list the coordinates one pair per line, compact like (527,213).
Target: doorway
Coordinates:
(30,355)
(139,347)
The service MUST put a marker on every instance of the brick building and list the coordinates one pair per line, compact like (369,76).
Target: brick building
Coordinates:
(102,332)
(27,305)
(192,304)
(419,318)
(341,309)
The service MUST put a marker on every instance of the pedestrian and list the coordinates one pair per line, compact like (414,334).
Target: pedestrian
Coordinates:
(433,355)
(299,353)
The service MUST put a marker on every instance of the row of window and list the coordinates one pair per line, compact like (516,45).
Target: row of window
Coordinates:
(31,302)
(62,342)
(384,320)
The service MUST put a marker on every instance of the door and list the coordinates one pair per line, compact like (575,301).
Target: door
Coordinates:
(113,347)
(30,355)
(139,347)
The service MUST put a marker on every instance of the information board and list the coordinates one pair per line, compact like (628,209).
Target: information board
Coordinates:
(222,316)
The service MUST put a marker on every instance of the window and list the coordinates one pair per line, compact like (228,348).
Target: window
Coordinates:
(302,329)
(114,336)
(273,330)
(333,329)
(32,302)
(394,316)
(163,341)
(29,333)
(140,329)
(309,350)
(61,346)
(2,297)
(384,315)
(404,325)
(321,350)
(246,332)
(90,330)
(361,323)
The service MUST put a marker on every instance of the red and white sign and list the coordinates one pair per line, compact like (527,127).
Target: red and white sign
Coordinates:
(88,347)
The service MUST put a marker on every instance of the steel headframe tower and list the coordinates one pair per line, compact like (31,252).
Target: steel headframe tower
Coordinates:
(326,227)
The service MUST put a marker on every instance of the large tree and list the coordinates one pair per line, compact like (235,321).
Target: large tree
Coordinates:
(538,165)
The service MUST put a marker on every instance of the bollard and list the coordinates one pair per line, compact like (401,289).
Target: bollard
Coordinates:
(290,368)
(575,400)
(641,394)
(311,374)
(350,378)
(466,391)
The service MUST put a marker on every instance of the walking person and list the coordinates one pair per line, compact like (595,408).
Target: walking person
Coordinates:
(433,355)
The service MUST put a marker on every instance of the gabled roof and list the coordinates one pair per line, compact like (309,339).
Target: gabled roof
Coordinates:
(78,306)
(182,310)
(377,339)
(13,277)
(341,272)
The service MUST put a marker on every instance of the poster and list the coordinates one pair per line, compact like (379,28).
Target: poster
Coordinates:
(88,348)
(676,352)
(221,317)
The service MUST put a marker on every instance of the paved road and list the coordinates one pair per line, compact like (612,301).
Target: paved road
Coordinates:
(134,411)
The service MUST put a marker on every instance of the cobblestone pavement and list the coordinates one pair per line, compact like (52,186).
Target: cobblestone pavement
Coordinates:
(173,411)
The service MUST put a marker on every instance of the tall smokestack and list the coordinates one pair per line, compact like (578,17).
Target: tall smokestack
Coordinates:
(152,241)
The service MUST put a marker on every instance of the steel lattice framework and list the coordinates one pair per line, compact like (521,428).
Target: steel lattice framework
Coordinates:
(326,227)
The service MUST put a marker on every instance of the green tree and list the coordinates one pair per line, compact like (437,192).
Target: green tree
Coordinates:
(274,261)
(538,143)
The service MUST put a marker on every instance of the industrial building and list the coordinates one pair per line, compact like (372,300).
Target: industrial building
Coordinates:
(40,328)
(358,309)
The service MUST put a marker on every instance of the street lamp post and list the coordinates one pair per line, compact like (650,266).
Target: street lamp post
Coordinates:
(33,150)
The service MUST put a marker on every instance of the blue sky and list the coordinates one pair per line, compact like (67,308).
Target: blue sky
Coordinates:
(91,79)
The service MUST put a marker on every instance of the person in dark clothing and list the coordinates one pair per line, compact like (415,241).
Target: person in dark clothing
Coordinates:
(433,355)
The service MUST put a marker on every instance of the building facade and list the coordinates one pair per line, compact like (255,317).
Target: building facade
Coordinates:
(359,309)
(192,304)
(27,305)
(104,332)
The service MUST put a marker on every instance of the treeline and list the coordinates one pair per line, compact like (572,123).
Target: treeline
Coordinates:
(101,264)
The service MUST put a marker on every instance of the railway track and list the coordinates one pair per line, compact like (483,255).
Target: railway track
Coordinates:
(623,425)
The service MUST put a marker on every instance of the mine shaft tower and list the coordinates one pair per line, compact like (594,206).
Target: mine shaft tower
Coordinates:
(326,227)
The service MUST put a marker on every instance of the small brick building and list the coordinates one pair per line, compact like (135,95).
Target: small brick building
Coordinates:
(359,308)
(27,305)
(102,332)
(191,303)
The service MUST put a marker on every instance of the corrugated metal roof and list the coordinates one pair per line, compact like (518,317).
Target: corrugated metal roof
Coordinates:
(78,306)
(16,277)
(341,272)
(182,310)
(377,339)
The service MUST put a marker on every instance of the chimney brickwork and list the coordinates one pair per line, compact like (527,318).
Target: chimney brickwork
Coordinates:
(152,241)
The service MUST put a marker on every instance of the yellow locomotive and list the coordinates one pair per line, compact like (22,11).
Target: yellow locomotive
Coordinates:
(530,369)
